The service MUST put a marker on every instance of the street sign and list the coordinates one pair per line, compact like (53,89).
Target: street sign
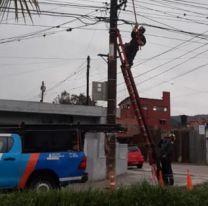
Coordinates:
(99,91)
(202,129)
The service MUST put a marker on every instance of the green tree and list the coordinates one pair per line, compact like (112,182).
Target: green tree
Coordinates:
(22,7)
(66,98)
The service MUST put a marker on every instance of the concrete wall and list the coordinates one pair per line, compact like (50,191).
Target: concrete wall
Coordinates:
(94,150)
(96,159)
(121,158)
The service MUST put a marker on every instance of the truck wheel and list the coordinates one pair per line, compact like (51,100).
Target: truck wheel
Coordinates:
(43,184)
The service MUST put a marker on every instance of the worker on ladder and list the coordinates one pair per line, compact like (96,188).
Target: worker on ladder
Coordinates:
(137,41)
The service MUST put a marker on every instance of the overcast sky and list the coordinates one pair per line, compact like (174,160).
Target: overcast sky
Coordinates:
(174,58)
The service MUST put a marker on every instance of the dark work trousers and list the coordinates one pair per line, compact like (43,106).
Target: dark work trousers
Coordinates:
(131,51)
(167,171)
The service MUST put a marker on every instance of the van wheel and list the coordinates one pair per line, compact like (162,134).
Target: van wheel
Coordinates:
(43,184)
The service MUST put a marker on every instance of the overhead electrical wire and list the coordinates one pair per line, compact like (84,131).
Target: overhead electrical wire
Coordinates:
(79,68)
(28,35)
(43,31)
(196,6)
(169,13)
(195,3)
(174,17)
(169,69)
(175,66)
(72,5)
(163,4)
(51,13)
(189,33)
(176,58)
(178,76)
(171,49)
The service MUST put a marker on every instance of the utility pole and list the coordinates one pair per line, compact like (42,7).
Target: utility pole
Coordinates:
(43,89)
(111,108)
(88,73)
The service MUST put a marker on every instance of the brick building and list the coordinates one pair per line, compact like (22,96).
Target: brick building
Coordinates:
(156,113)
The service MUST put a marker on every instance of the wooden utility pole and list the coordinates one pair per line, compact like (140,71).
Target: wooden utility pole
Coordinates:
(43,89)
(88,73)
(111,109)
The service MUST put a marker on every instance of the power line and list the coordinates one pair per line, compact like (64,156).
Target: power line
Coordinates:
(196,6)
(72,5)
(164,5)
(35,57)
(171,68)
(62,81)
(167,70)
(167,63)
(169,13)
(66,78)
(171,49)
(41,32)
(174,17)
(176,58)
(178,76)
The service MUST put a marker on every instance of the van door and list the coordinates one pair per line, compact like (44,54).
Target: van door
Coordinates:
(9,162)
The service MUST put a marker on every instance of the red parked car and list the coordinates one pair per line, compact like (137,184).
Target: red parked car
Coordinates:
(135,157)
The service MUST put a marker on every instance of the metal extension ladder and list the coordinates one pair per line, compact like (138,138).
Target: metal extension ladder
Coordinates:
(135,101)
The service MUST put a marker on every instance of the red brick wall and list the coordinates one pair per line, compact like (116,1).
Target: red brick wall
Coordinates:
(156,113)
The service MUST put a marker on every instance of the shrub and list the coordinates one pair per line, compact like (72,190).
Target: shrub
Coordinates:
(136,195)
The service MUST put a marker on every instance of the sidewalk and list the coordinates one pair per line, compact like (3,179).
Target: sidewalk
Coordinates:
(132,176)
(121,181)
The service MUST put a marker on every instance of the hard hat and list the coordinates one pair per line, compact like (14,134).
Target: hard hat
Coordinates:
(142,29)
(172,136)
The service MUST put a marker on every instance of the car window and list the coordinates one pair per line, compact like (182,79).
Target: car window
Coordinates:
(133,149)
(5,144)
(10,143)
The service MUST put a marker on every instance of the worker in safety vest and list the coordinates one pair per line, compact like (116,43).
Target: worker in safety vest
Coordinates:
(137,41)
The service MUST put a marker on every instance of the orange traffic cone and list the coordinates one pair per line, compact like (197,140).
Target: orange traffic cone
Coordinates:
(189,185)
(161,182)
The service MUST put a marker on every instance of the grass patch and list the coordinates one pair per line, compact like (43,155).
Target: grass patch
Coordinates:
(137,195)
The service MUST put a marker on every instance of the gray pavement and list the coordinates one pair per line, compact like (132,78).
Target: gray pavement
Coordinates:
(199,174)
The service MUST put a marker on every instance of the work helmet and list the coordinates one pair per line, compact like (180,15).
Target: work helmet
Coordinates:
(141,29)
(172,136)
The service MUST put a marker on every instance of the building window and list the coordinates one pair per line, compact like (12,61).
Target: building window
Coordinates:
(144,107)
(163,122)
(99,87)
(160,109)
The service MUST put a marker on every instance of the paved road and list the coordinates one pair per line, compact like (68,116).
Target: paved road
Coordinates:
(198,173)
